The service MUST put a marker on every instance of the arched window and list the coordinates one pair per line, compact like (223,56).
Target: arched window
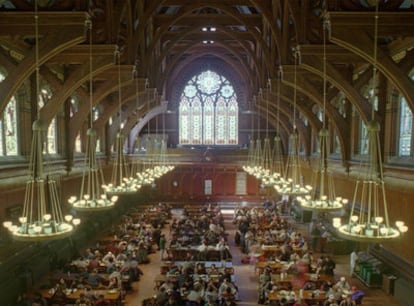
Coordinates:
(8,125)
(363,138)
(208,111)
(8,130)
(50,139)
(405,126)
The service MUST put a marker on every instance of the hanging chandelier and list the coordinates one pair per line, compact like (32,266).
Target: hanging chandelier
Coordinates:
(370,223)
(326,199)
(293,186)
(42,218)
(248,167)
(271,174)
(91,196)
(121,182)
(164,161)
(137,163)
(277,155)
(257,169)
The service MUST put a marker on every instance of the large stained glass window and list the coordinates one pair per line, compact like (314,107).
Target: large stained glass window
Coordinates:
(363,139)
(50,139)
(208,111)
(8,130)
(8,125)
(406,129)
(405,140)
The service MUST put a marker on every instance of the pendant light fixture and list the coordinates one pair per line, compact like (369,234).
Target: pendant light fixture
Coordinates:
(293,185)
(91,198)
(42,218)
(323,197)
(368,219)
(277,154)
(268,176)
(137,162)
(120,179)
(251,149)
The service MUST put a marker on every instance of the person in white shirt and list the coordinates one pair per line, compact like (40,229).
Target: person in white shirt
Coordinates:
(352,262)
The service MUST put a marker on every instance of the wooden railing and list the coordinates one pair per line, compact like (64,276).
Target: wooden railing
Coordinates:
(398,265)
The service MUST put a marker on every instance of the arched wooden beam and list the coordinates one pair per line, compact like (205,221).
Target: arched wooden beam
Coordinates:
(189,9)
(271,21)
(173,68)
(362,44)
(227,33)
(313,64)
(304,109)
(145,17)
(109,86)
(306,88)
(157,110)
(104,90)
(174,74)
(77,77)
(288,111)
(6,63)
(338,122)
(134,132)
(111,108)
(49,45)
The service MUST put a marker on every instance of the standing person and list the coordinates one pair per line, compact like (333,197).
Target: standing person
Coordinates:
(315,234)
(353,258)
(161,245)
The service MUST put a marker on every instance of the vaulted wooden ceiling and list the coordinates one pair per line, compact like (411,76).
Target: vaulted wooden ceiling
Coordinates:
(164,42)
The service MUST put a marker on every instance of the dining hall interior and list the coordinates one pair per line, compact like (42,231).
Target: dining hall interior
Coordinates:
(232,152)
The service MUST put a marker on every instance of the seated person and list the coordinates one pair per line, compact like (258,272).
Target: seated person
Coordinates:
(357,295)
(200,269)
(343,285)
(211,292)
(101,301)
(213,270)
(309,285)
(114,283)
(110,265)
(83,300)
(227,289)
(94,279)
(202,249)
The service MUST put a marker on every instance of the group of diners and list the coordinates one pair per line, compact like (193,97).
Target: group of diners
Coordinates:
(102,273)
(289,273)
(197,268)
(198,234)
(196,283)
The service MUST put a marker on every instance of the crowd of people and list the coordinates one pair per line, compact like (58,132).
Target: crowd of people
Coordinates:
(198,264)
(110,265)
(261,226)
(201,271)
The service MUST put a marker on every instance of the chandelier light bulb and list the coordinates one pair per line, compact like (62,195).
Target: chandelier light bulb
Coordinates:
(22,220)
(379,219)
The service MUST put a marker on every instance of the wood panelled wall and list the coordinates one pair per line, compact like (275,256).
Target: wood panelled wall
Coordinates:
(186,184)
